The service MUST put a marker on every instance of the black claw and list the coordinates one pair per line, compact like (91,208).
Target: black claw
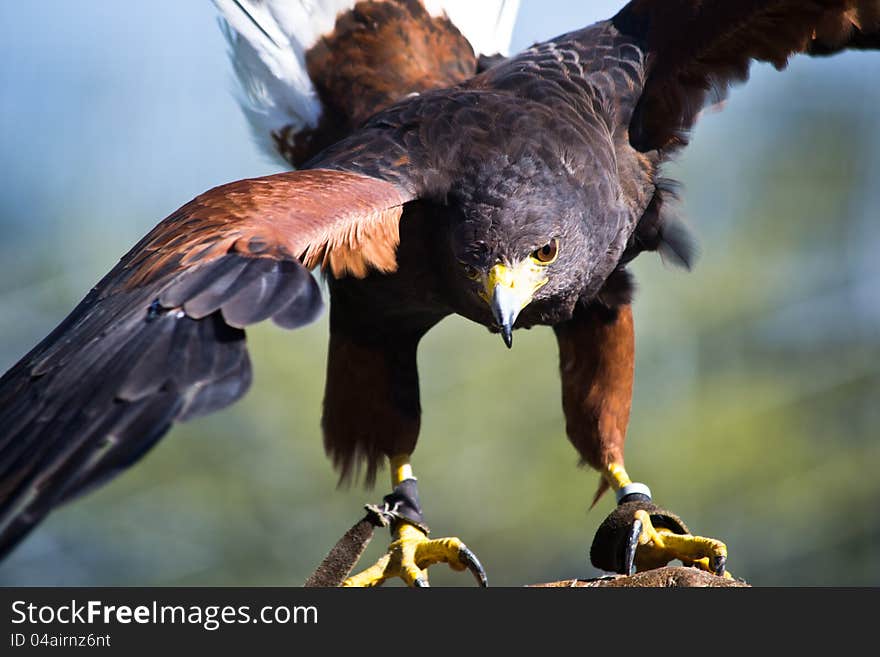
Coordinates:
(421,583)
(718,565)
(632,544)
(473,564)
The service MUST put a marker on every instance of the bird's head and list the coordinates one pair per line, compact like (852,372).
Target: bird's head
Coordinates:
(527,247)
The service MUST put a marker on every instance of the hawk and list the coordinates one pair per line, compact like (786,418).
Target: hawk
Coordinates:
(433,176)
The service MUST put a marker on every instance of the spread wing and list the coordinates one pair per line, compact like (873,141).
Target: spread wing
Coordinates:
(696,48)
(160,338)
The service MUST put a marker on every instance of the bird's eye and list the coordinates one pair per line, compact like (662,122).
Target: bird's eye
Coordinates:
(470,271)
(547,253)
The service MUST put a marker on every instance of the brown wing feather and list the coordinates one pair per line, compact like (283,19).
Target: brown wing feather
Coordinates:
(857,28)
(159,339)
(337,219)
(700,46)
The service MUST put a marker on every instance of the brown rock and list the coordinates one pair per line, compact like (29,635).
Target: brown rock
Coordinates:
(666,577)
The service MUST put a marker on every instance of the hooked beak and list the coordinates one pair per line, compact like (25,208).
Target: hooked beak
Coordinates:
(509,289)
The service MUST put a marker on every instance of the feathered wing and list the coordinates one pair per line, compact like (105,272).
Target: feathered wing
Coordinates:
(269,41)
(696,48)
(160,338)
(487,25)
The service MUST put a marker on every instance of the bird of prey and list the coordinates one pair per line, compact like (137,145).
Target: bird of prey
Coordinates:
(433,175)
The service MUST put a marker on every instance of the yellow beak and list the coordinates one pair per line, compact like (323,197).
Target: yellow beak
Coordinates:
(509,289)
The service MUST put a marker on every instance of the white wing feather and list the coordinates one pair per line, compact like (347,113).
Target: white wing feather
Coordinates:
(268,40)
(488,25)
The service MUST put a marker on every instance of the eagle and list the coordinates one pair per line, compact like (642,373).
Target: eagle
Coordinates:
(433,175)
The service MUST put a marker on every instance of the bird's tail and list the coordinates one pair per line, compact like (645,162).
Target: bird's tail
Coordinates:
(311,70)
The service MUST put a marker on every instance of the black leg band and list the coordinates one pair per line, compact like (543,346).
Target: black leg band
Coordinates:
(634,492)
(634,497)
(402,504)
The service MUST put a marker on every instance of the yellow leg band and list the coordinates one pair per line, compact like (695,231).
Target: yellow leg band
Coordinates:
(401,469)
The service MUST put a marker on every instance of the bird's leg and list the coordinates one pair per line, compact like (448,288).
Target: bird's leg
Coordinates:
(371,408)
(411,552)
(597,356)
(640,536)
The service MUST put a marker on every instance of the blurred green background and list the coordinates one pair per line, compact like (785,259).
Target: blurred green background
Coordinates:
(757,404)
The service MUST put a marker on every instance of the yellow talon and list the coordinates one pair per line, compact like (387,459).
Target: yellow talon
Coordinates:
(411,552)
(653,547)
(659,546)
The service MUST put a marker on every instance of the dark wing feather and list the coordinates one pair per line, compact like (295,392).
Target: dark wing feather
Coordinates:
(696,48)
(160,338)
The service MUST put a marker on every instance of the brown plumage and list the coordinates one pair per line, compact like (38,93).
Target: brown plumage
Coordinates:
(341,221)
(700,47)
(378,53)
(597,365)
(423,175)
